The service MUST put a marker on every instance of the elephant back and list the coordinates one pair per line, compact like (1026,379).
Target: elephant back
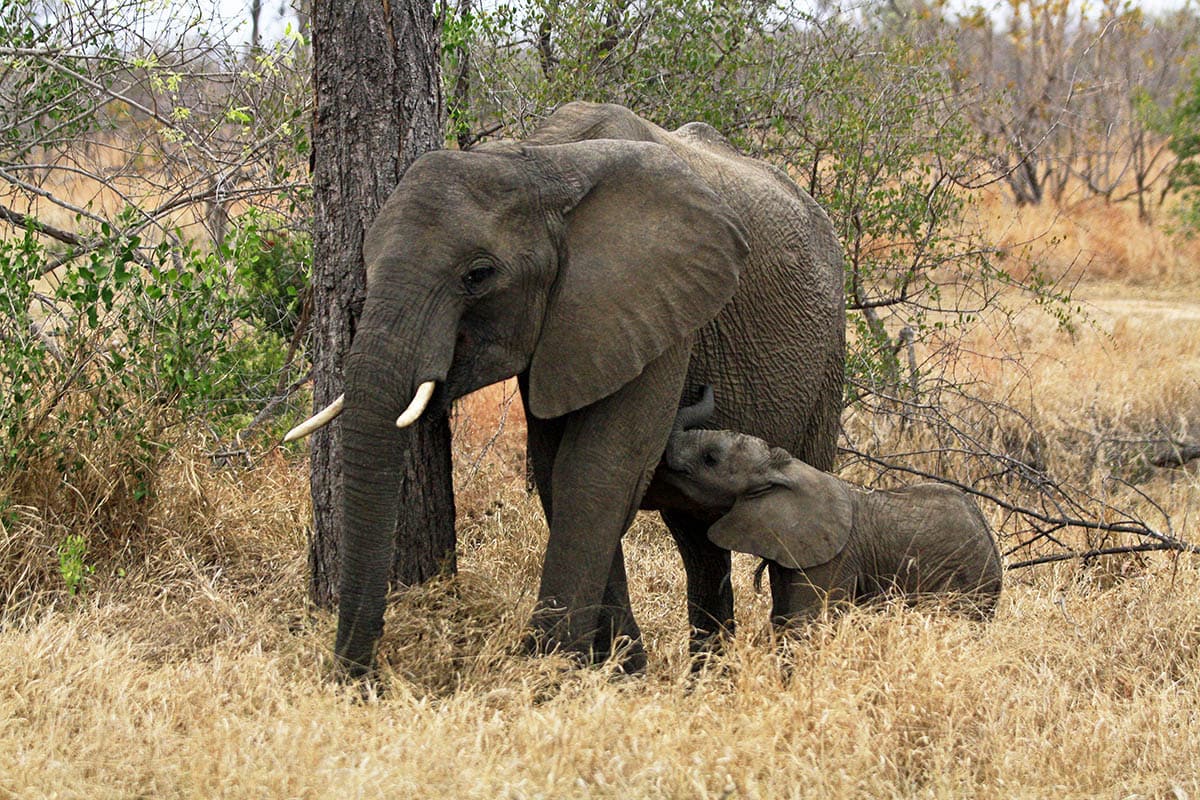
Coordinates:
(775,354)
(940,541)
(580,121)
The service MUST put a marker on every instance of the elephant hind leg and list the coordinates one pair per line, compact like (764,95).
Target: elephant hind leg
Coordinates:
(709,583)
(816,423)
(818,446)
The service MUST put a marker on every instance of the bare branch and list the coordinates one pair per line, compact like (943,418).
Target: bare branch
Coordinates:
(1145,547)
(28,222)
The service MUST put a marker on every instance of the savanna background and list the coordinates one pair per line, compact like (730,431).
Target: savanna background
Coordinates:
(1014,190)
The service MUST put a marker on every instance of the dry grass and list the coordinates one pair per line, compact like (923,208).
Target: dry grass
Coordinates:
(1086,237)
(194,668)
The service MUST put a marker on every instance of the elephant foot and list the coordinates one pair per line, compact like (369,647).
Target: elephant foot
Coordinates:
(550,634)
(627,655)
(350,671)
(619,639)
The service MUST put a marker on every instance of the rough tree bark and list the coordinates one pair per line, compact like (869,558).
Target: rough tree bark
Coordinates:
(379,106)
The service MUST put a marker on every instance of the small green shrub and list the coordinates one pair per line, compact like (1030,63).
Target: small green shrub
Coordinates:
(271,266)
(72,565)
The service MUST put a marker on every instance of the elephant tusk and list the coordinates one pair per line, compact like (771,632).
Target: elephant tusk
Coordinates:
(417,407)
(318,420)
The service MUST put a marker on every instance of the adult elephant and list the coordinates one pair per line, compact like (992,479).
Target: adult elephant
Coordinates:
(611,266)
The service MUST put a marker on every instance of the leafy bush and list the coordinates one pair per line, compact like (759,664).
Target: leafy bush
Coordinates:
(101,365)
(72,564)
(126,332)
(271,266)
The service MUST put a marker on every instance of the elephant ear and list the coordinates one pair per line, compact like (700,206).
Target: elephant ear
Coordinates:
(650,254)
(801,521)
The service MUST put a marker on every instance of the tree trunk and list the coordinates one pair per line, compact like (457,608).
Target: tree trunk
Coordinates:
(255,15)
(379,106)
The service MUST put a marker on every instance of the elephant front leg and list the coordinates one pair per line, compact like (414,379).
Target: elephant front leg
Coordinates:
(798,595)
(583,589)
(604,460)
(616,629)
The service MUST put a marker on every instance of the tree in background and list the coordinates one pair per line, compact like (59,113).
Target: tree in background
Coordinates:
(155,260)
(379,106)
(1065,87)
(1180,124)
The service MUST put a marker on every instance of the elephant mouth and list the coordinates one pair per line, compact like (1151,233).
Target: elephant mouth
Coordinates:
(672,466)
(759,490)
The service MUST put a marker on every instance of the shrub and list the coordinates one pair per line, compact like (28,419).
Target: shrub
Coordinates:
(105,366)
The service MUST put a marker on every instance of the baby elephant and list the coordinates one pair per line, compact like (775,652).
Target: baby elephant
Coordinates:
(824,539)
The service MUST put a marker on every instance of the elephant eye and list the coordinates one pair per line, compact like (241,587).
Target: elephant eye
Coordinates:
(478,275)
(710,458)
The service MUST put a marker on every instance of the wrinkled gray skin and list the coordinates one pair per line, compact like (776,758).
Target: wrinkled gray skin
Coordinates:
(826,540)
(613,267)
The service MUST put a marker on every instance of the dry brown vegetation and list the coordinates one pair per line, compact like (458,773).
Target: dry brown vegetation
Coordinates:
(1087,236)
(192,667)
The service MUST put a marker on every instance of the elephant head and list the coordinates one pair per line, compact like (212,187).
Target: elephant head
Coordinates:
(770,504)
(579,263)
(574,265)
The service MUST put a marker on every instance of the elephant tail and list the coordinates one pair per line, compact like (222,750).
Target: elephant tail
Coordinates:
(758,573)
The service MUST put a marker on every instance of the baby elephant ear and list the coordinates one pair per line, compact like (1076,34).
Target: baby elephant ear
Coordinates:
(802,521)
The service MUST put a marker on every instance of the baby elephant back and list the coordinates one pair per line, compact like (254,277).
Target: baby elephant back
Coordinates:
(944,544)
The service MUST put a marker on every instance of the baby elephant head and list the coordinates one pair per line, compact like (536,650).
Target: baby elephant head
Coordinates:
(715,468)
(773,505)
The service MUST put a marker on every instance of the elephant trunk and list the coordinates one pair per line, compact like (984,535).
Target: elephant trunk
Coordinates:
(381,371)
(697,414)
(371,485)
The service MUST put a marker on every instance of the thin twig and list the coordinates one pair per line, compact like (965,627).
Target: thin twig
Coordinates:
(1061,520)
(1145,547)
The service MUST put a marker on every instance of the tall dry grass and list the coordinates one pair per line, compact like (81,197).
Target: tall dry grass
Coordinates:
(200,673)
(1087,238)
(193,666)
